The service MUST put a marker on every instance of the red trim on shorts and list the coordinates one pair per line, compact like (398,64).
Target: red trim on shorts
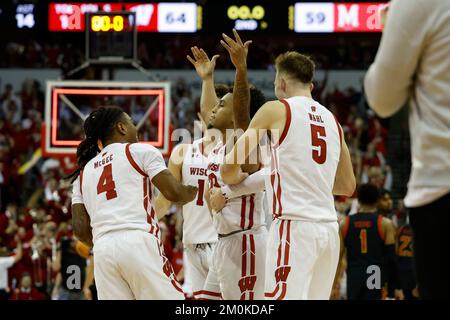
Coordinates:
(252,208)
(380,227)
(287,247)
(252,255)
(244,261)
(280,244)
(208,293)
(277,287)
(132,162)
(243,210)
(244,256)
(346,225)
(272,294)
(339,130)
(283,291)
(176,285)
(287,124)
(81,181)
(286,259)
(283,285)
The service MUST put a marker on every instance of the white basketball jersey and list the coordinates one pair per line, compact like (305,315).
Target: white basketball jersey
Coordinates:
(197,221)
(304,164)
(115,187)
(240,213)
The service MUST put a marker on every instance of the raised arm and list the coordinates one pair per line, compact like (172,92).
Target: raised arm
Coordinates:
(205,70)
(345,182)
(241,93)
(219,196)
(404,38)
(175,166)
(271,116)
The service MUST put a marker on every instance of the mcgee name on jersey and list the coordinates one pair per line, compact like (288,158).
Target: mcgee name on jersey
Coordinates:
(100,163)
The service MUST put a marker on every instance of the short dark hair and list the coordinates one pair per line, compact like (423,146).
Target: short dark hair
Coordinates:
(297,65)
(368,194)
(257,99)
(221,89)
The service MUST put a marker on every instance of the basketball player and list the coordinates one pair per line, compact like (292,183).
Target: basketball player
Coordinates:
(368,238)
(113,194)
(188,163)
(239,255)
(405,258)
(310,163)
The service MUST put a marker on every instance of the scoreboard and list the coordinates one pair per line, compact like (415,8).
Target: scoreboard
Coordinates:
(150,17)
(211,16)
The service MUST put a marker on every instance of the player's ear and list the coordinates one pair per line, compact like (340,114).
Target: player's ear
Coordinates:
(311,87)
(122,128)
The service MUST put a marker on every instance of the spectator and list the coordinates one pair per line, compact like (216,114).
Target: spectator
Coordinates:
(411,66)
(7,262)
(26,290)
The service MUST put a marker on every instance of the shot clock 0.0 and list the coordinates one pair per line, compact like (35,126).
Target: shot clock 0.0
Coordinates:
(110,23)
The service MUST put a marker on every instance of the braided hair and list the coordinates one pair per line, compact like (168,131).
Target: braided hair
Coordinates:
(97,126)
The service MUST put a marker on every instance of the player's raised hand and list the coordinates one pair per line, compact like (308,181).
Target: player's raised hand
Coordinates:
(237,49)
(203,65)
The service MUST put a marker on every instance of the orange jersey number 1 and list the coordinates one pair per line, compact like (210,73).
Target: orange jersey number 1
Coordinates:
(363,237)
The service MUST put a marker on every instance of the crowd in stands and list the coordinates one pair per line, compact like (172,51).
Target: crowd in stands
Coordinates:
(35,202)
(158,53)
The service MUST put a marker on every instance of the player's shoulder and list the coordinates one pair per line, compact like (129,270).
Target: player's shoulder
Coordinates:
(273,110)
(140,147)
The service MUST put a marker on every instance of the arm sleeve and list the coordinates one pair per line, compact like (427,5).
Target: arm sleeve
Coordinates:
(77,197)
(389,79)
(253,183)
(7,262)
(148,158)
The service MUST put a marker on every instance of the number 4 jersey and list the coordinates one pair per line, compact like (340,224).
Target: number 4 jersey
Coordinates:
(304,164)
(115,187)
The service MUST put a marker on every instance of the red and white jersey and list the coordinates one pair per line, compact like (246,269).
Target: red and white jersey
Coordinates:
(240,213)
(304,163)
(115,187)
(197,221)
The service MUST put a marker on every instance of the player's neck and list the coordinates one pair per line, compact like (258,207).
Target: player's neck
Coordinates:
(209,140)
(367,209)
(117,140)
(300,92)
